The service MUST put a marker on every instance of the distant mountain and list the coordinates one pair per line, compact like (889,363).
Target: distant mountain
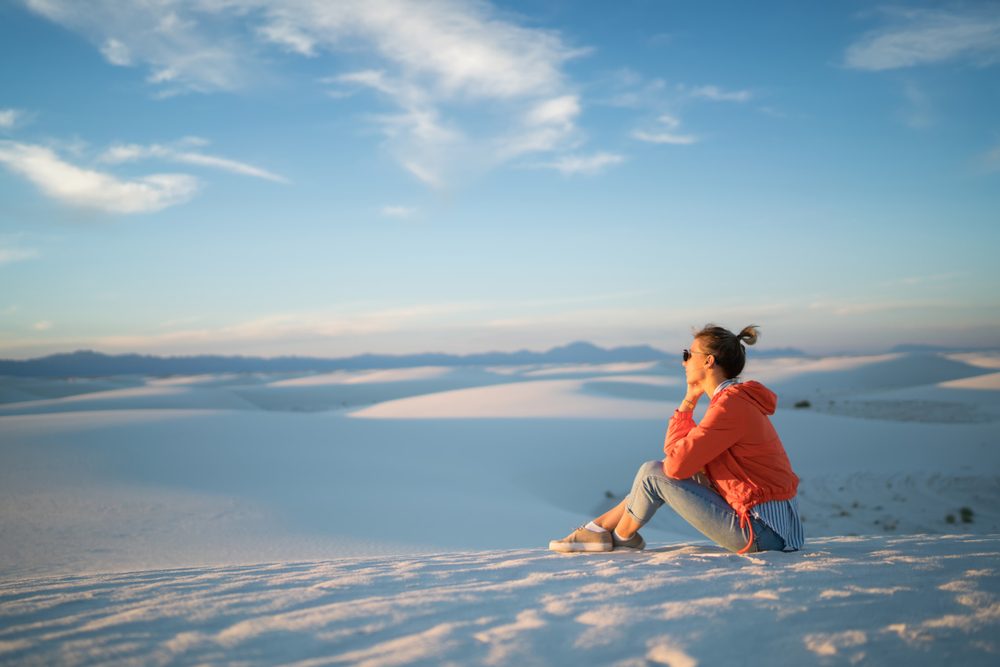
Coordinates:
(88,363)
(776,352)
(914,347)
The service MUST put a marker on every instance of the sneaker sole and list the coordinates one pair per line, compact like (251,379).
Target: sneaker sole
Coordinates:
(567,547)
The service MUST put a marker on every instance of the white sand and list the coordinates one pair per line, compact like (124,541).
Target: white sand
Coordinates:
(360,377)
(872,600)
(435,489)
(541,398)
(989,382)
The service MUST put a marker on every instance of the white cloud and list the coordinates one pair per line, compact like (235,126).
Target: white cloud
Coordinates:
(421,141)
(302,326)
(398,211)
(132,152)
(671,122)
(659,136)
(716,94)
(44,325)
(925,36)
(556,111)
(9,254)
(585,164)
(15,118)
(424,175)
(547,126)
(923,280)
(439,61)
(226,164)
(185,44)
(665,138)
(855,308)
(92,189)
(116,53)
(8,117)
(290,37)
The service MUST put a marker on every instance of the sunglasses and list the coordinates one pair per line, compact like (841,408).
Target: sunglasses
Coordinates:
(687,354)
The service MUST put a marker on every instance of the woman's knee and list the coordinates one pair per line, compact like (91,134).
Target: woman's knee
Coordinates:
(647,473)
(650,468)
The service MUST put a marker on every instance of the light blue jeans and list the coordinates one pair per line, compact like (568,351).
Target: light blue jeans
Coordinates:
(699,504)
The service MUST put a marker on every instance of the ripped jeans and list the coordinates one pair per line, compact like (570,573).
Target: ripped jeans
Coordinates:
(699,504)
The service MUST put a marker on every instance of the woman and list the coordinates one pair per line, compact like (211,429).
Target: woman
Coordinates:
(728,476)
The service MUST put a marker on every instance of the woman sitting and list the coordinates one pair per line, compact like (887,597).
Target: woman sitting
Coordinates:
(728,475)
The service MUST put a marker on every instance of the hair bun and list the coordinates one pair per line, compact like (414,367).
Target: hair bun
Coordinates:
(750,334)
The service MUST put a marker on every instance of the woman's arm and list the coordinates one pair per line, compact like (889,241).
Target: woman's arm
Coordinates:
(690,446)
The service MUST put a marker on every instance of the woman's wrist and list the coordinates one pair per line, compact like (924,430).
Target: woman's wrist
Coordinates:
(687,405)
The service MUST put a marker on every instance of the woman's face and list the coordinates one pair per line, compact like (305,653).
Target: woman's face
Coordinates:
(696,368)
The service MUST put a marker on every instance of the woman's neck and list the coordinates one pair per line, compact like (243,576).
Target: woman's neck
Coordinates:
(712,382)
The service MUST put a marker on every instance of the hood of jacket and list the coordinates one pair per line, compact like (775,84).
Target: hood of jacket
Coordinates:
(754,392)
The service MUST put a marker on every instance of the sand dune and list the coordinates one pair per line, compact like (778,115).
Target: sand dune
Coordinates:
(989,360)
(877,600)
(562,370)
(989,382)
(14,389)
(361,377)
(223,473)
(153,396)
(540,398)
(847,375)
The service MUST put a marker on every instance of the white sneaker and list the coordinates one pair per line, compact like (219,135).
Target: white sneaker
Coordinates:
(582,539)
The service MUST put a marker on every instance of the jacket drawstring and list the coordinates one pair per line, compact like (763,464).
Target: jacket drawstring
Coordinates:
(745,521)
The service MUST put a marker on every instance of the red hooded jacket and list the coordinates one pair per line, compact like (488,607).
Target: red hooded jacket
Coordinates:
(737,447)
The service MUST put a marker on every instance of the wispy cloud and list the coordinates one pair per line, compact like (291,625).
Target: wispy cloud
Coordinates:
(449,47)
(910,281)
(398,211)
(455,71)
(544,127)
(456,326)
(665,133)
(185,46)
(862,308)
(453,58)
(44,325)
(8,118)
(585,164)
(133,152)
(914,37)
(300,326)
(88,188)
(716,94)
(626,88)
(116,53)
(9,254)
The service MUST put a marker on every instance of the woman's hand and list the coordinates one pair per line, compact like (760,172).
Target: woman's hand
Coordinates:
(694,392)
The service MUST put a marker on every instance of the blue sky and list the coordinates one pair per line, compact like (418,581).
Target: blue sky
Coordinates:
(309,177)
